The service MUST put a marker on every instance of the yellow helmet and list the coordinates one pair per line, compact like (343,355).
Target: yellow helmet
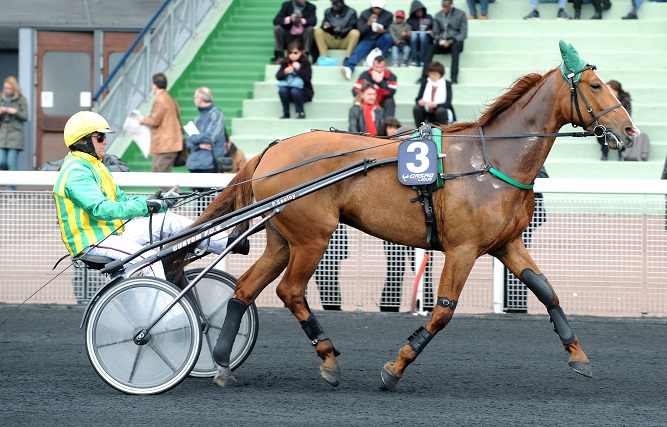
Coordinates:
(84,123)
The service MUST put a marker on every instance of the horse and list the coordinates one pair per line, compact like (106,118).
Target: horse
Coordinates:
(474,214)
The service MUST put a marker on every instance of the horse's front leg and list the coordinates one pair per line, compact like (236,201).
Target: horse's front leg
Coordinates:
(454,274)
(517,259)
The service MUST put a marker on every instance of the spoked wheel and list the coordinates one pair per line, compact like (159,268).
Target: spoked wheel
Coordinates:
(164,358)
(212,294)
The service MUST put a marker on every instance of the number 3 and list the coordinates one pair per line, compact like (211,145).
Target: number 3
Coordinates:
(421,150)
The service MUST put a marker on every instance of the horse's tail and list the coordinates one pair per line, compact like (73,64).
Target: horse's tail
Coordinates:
(238,194)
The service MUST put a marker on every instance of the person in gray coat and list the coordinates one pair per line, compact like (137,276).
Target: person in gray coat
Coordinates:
(13,113)
(450,29)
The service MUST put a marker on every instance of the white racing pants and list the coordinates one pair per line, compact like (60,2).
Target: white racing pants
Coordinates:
(136,236)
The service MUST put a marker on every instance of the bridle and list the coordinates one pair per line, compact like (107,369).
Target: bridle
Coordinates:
(575,91)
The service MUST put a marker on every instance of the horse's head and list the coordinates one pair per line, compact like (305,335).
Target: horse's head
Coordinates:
(592,105)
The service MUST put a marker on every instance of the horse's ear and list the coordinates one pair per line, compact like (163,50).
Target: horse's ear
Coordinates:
(572,62)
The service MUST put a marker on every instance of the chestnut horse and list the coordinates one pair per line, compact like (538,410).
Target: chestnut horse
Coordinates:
(476,214)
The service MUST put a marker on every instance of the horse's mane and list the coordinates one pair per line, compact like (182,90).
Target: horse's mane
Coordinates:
(514,92)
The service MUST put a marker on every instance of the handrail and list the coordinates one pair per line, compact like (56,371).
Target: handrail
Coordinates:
(129,50)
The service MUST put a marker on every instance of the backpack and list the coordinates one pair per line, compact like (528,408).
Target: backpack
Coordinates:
(639,151)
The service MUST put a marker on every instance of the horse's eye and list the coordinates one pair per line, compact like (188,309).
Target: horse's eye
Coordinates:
(596,86)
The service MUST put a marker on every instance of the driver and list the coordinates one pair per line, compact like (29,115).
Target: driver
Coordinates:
(91,208)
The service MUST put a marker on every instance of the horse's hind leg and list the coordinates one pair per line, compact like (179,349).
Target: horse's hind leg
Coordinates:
(518,260)
(458,264)
(249,286)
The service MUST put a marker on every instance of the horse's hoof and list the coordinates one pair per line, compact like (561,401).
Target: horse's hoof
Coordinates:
(389,380)
(225,378)
(330,375)
(583,368)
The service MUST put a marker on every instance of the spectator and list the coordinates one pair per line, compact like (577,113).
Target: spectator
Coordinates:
(535,12)
(294,81)
(626,101)
(366,116)
(338,29)
(597,4)
(384,82)
(13,113)
(400,33)
(483,9)
(633,12)
(165,123)
(421,36)
(373,26)
(209,143)
(328,271)
(515,292)
(237,156)
(434,101)
(450,29)
(295,20)
(91,207)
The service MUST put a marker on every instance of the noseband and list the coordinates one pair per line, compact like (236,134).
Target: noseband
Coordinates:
(575,92)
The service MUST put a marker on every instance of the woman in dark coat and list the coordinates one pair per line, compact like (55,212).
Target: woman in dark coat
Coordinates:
(294,81)
(13,113)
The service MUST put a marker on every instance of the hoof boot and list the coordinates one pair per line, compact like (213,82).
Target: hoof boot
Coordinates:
(389,380)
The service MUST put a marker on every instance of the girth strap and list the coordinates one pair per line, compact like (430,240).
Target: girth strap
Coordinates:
(425,197)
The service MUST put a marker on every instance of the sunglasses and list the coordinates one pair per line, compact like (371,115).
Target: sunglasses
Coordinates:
(101,137)
(296,51)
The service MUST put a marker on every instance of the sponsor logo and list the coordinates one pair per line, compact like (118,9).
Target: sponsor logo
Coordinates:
(196,238)
(283,200)
(418,177)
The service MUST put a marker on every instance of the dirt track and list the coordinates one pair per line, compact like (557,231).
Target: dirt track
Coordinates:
(483,370)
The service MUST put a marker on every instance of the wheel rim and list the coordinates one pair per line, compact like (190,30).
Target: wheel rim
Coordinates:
(168,355)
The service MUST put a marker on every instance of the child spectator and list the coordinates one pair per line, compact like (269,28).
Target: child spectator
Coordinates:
(400,32)
(421,36)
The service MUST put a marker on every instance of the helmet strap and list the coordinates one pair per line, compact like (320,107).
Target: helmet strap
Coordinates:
(88,147)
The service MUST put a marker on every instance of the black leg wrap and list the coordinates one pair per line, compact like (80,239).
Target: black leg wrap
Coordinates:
(419,339)
(315,333)
(223,347)
(561,325)
(538,285)
(446,302)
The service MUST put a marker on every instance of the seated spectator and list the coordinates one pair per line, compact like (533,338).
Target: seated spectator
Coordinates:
(421,36)
(294,83)
(384,82)
(450,29)
(238,157)
(434,102)
(400,33)
(295,21)
(535,12)
(483,9)
(626,101)
(633,12)
(597,4)
(338,29)
(366,116)
(373,26)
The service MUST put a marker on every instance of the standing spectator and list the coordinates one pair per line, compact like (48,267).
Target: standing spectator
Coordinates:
(400,32)
(384,82)
(373,26)
(294,81)
(366,116)
(165,123)
(515,292)
(535,12)
(328,271)
(421,36)
(338,29)
(295,20)
(450,29)
(633,12)
(434,101)
(626,101)
(209,143)
(237,156)
(597,5)
(483,9)
(13,113)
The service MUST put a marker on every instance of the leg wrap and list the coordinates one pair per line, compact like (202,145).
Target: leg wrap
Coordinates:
(538,285)
(315,333)
(561,325)
(223,347)
(446,302)
(419,339)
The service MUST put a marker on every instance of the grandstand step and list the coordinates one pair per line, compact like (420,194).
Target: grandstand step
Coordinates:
(272,128)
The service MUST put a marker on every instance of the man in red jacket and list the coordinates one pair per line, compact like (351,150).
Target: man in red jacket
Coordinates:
(384,82)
